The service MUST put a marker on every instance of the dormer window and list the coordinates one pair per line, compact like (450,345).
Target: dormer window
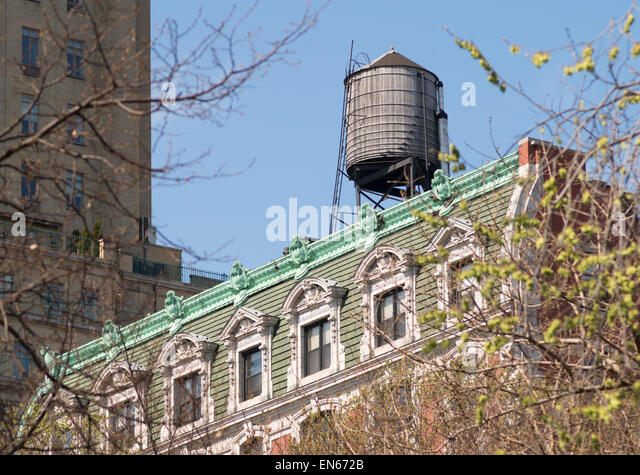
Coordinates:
(387,278)
(188,399)
(248,335)
(122,425)
(462,289)
(313,309)
(391,317)
(121,388)
(187,359)
(456,291)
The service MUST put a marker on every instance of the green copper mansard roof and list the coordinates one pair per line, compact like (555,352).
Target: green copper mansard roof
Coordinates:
(442,200)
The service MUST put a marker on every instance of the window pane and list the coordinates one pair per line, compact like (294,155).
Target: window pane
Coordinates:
(188,399)
(391,319)
(29,124)
(314,338)
(317,347)
(122,420)
(74,58)
(326,345)
(252,379)
(29,47)
(6,285)
(22,362)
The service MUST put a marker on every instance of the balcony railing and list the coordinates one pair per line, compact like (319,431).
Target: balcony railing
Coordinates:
(177,273)
(54,309)
(54,240)
(82,244)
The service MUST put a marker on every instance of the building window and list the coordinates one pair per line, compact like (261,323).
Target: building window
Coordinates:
(460,241)
(6,285)
(29,115)
(29,182)
(75,128)
(30,51)
(122,426)
(53,301)
(74,190)
(316,427)
(252,440)
(120,389)
(74,59)
(251,374)
(391,321)
(387,279)
(89,305)
(248,335)
(317,352)
(253,446)
(315,421)
(21,362)
(76,6)
(188,399)
(462,289)
(313,309)
(186,359)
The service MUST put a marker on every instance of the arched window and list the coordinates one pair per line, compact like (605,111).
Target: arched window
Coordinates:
(186,359)
(313,309)
(387,279)
(253,446)
(455,290)
(248,335)
(121,388)
(391,316)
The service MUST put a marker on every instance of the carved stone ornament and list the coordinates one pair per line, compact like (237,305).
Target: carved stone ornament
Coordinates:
(120,378)
(441,186)
(185,349)
(117,376)
(368,219)
(244,326)
(239,277)
(300,256)
(369,227)
(52,360)
(239,280)
(112,342)
(385,262)
(312,295)
(173,305)
(298,250)
(173,309)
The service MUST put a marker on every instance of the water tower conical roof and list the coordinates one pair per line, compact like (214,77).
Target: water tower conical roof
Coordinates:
(392,58)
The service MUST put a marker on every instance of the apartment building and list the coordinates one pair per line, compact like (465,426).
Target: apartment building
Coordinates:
(77,244)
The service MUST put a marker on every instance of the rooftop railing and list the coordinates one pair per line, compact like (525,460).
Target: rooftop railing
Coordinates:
(83,244)
(177,273)
(74,243)
(54,309)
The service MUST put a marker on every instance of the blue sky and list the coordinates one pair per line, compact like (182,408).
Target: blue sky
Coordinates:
(290,121)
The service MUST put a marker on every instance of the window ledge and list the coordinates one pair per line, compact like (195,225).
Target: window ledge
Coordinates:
(316,376)
(251,402)
(30,71)
(386,347)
